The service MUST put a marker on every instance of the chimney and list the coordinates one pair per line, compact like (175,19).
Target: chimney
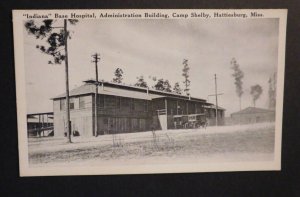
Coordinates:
(189,96)
(147,90)
(102,84)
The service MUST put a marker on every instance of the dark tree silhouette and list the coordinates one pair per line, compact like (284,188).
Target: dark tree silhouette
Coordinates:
(177,88)
(185,74)
(118,75)
(141,82)
(55,39)
(238,75)
(256,91)
(167,86)
(163,85)
(57,47)
(159,85)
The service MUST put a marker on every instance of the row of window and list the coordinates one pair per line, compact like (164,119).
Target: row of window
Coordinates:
(114,102)
(121,102)
(72,103)
(108,102)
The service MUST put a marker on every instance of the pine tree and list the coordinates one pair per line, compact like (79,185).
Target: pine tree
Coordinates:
(238,76)
(163,85)
(185,74)
(177,88)
(57,47)
(167,86)
(118,75)
(141,82)
(159,85)
(256,91)
(56,40)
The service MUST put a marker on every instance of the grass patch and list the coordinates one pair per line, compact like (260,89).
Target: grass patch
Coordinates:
(190,144)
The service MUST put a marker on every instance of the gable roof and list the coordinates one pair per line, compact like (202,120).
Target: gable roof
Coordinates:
(252,110)
(109,88)
(91,89)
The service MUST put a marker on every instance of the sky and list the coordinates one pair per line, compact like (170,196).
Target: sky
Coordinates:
(157,47)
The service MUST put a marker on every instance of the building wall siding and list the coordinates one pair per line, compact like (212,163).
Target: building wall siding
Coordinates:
(253,118)
(81,118)
(119,114)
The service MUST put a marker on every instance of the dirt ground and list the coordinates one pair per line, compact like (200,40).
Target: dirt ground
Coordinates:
(214,144)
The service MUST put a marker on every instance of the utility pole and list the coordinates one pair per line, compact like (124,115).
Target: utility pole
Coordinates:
(216,99)
(67,83)
(213,95)
(96,58)
(216,92)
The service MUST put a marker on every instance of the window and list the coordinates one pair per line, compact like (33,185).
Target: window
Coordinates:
(132,105)
(118,102)
(125,102)
(100,101)
(142,124)
(109,102)
(72,104)
(135,124)
(146,106)
(81,102)
(62,104)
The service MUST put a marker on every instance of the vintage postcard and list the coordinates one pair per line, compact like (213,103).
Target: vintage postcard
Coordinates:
(149,91)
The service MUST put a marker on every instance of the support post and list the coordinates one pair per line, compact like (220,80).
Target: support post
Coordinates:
(27,125)
(96,60)
(43,125)
(187,108)
(216,92)
(166,107)
(39,126)
(67,82)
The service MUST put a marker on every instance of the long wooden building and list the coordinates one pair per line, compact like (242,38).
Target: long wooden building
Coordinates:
(123,108)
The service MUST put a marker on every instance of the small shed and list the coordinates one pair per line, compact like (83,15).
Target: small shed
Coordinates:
(253,115)
(40,124)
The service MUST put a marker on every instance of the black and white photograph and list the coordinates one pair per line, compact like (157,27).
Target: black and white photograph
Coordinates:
(149,91)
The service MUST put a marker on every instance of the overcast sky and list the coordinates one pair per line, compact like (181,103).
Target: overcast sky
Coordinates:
(157,48)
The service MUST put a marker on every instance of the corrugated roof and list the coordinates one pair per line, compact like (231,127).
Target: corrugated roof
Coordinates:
(90,88)
(252,110)
(84,89)
(124,91)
